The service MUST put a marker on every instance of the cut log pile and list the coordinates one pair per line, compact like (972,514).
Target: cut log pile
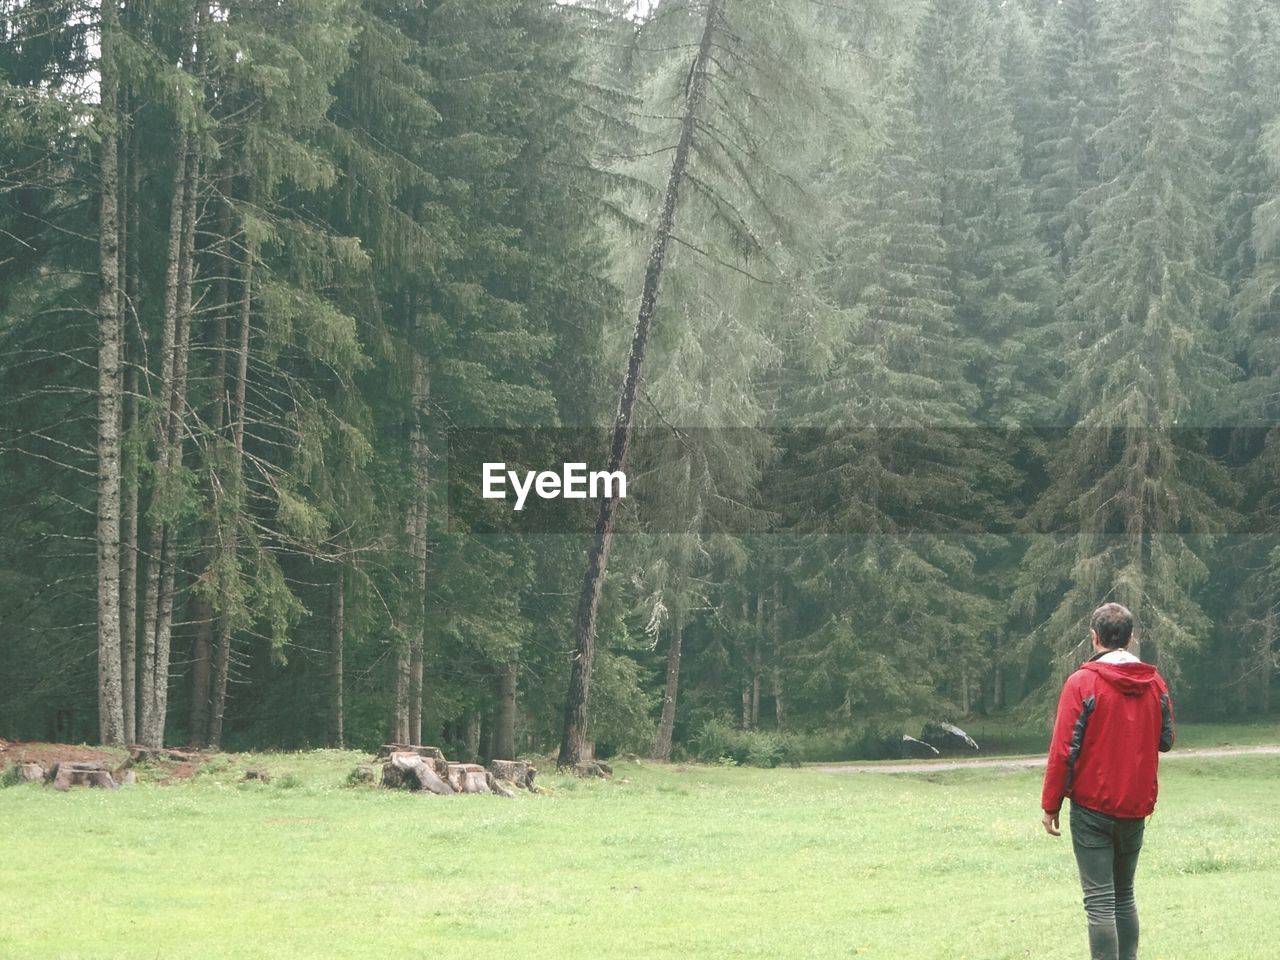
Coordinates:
(425,770)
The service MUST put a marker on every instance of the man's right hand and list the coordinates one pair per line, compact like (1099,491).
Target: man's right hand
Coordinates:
(1050,823)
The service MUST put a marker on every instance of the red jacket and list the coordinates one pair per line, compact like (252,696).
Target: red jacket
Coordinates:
(1112,720)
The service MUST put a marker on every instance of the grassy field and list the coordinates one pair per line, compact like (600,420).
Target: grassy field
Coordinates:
(660,862)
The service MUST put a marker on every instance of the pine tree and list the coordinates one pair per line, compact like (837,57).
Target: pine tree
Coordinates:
(1076,77)
(998,270)
(1140,490)
(888,477)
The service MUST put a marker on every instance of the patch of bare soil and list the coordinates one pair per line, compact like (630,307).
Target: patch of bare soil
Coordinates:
(170,766)
(47,754)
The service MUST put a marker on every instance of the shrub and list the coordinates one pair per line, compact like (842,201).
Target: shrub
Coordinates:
(720,740)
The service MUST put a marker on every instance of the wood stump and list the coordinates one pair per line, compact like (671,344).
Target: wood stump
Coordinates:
(257,773)
(363,773)
(497,786)
(516,772)
(414,772)
(468,778)
(67,775)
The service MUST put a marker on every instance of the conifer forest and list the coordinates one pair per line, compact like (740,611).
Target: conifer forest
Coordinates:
(918,329)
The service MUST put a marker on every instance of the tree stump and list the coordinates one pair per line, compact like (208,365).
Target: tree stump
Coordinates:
(468,778)
(593,768)
(517,772)
(67,775)
(257,773)
(497,786)
(363,773)
(29,772)
(414,772)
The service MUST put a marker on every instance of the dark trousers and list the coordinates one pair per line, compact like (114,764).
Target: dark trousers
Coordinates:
(1107,854)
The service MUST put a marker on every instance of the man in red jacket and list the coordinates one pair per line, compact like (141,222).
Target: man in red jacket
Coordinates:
(1114,719)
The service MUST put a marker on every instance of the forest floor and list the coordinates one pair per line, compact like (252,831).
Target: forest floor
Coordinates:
(661,861)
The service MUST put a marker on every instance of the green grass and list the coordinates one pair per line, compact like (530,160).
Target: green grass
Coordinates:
(660,862)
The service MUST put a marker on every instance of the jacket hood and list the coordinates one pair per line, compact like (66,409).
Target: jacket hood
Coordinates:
(1131,679)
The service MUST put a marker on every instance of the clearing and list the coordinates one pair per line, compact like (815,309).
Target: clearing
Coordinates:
(690,861)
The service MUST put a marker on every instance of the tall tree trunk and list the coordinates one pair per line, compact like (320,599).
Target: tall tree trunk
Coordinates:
(419,454)
(155,539)
(400,698)
(202,666)
(231,527)
(201,672)
(337,719)
(473,735)
(775,629)
(1266,662)
(110,329)
(744,716)
(176,438)
(129,567)
(504,734)
(415,691)
(755,661)
(667,722)
(486,737)
(574,739)
(129,483)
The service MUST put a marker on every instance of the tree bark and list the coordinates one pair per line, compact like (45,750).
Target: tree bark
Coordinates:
(775,629)
(419,455)
(231,530)
(155,540)
(574,739)
(201,670)
(110,330)
(473,735)
(129,483)
(1266,662)
(129,567)
(667,722)
(337,737)
(504,735)
(755,661)
(176,437)
(400,705)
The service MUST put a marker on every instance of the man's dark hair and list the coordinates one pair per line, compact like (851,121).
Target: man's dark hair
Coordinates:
(1114,624)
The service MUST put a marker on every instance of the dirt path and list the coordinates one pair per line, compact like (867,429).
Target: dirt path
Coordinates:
(1019,763)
